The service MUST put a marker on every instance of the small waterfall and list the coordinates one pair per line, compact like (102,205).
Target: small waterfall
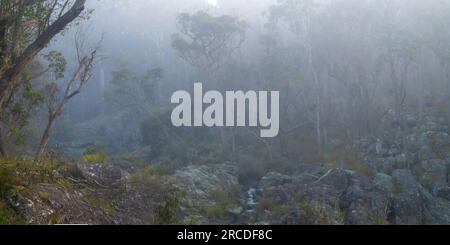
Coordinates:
(251,197)
(251,200)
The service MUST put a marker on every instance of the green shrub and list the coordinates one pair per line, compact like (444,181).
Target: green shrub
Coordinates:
(251,169)
(104,204)
(210,152)
(426,182)
(65,183)
(193,220)
(350,160)
(213,212)
(283,165)
(157,195)
(153,134)
(316,215)
(96,158)
(226,198)
(44,196)
(96,154)
(280,210)
(8,216)
(398,188)
(267,204)
(380,220)
(168,212)
(25,171)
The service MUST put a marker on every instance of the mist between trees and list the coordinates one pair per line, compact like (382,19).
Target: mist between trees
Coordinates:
(341,66)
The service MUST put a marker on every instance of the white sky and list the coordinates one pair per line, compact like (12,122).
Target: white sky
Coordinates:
(212,2)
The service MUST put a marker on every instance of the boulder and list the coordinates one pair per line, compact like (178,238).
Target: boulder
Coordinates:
(199,182)
(53,204)
(363,204)
(103,174)
(274,179)
(434,175)
(383,182)
(436,211)
(407,202)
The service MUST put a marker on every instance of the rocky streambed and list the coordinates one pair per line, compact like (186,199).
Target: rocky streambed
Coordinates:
(212,195)
(388,186)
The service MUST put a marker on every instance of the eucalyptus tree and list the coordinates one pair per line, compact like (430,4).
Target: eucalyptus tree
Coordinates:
(437,32)
(27,27)
(55,103)
(208,42)
(299,15)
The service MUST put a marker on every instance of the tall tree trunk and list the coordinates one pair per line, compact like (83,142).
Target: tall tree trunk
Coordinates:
(3,148)
(318,98)
(447,76)
(45,139)
(55,109)
(318,126)
(315,77)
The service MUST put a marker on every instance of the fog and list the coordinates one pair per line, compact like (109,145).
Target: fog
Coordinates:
(349,40)
(363,113)
(340,65)
(138,37)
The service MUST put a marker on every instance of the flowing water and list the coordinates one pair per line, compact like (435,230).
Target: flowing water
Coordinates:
(251,199)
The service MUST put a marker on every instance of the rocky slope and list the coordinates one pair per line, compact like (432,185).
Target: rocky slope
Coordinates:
(409,186)
(402,178)
(85,196)
(389,186)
